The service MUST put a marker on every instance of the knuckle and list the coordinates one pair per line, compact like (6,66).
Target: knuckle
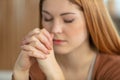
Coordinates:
(42,30)
(39,36)
(33,38)
(45,31)
(34,44)
(36,30)
(29,47)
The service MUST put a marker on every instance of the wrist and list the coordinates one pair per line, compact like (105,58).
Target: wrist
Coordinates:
(55,74)
(56,77)
(20,75)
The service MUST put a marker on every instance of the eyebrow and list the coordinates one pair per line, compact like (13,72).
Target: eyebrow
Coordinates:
(60,14)
(46,12)
(66,13)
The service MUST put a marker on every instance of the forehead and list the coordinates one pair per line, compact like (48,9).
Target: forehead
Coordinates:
(59,6)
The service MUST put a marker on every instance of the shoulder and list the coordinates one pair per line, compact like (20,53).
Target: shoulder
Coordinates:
(107,67)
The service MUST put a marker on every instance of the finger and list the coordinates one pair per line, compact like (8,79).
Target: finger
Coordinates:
(29,40)
(32,52)
(44,40)
(33,41)
(47,34)
(34,32)
(40,46)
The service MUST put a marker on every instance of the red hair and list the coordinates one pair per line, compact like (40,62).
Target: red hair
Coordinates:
(103,34)
(102,31)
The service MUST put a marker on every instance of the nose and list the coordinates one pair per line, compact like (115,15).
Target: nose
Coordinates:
(57,27)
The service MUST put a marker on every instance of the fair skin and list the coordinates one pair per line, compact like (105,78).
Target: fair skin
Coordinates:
(63,42)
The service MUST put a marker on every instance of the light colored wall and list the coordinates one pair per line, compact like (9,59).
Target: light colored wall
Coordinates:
(5,75)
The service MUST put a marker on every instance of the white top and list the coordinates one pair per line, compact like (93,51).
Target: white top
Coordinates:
(91,68)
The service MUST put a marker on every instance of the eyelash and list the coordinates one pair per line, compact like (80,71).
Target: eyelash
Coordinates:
(47,20)
(66,21)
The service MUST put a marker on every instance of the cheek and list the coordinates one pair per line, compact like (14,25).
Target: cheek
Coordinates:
(77,33)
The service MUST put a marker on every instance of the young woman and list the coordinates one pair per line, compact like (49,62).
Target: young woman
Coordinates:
(76,41)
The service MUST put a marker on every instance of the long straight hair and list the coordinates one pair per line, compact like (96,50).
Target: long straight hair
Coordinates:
(103,34)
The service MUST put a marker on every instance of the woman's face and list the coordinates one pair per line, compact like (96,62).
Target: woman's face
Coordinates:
(66,21)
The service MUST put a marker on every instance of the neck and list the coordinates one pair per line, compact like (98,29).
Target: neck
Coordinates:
(78,59)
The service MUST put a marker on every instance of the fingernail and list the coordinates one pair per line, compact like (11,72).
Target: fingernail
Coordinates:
(50,48)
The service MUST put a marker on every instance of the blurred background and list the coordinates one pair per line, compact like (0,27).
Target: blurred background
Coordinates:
(17,18)
(114,10)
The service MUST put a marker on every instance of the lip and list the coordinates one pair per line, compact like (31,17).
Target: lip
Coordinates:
(58,41)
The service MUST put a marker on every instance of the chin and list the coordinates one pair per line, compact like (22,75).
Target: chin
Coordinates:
(61,51)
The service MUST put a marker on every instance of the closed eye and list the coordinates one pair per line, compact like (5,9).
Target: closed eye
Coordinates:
(47,20)
(69,21)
